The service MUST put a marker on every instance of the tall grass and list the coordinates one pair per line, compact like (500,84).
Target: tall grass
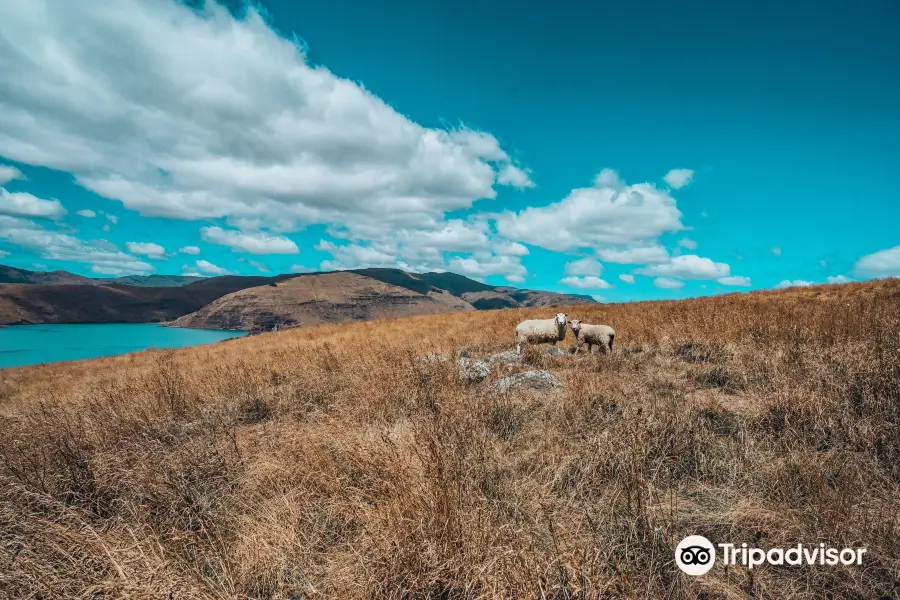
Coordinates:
(329,463)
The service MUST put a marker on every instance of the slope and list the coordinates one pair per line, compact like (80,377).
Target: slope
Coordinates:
(318,298)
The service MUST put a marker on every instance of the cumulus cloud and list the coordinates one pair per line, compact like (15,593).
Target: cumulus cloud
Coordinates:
(258,242)
(636,255)
(687,243)
(688,266)
(507,266)
(8,173)
(3,253)
(103,256)
(20,204)
(786,283)
(586,283)
(194,250)
(148,249)
(609,213)
(735,280)
(258,266)
(884,263)
(678,178)
(667,283)
(584,266)
(86,213)
(627,278)
(195,115)
(208,268)
(838,279)
(300,269)
(514,176)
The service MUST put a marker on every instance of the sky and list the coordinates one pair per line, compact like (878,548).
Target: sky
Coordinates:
(628,151)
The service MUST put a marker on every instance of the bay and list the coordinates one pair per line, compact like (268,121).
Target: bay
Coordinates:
(33,344)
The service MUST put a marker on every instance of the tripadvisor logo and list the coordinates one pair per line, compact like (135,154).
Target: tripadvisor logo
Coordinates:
(696,555)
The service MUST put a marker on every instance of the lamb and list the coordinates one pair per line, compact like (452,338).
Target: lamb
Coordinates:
(599,335)
(539,331)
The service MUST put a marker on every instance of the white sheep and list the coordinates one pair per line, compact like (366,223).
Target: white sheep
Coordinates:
(539,331)
(599,335)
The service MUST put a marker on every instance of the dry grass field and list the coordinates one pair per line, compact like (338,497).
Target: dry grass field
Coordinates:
(328,463)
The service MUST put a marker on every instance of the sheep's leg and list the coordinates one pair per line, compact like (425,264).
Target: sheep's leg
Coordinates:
(519,348)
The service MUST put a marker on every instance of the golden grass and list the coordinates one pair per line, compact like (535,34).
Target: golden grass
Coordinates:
(328,463)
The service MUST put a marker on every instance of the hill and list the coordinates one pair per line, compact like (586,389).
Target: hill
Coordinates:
(315,299)
(34,298)
(330,462)
(110,303)
(15,275)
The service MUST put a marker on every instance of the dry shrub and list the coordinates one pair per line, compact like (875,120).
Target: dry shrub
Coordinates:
(329,462)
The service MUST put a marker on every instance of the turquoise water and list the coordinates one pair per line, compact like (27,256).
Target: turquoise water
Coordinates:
(33,344)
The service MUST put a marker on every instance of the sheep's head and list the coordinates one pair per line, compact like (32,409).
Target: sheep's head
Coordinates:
(575,323)
(561,319)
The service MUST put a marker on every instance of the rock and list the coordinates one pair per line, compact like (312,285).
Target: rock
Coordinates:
(556,351)
(529,380)
(474,370)
(506,358)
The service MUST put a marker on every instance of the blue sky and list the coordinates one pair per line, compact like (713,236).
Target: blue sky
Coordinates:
(624,150)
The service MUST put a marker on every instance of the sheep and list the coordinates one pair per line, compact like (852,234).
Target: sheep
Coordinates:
(538,331)
(599,335)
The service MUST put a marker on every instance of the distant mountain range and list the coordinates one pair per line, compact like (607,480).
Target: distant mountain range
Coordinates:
(252,303)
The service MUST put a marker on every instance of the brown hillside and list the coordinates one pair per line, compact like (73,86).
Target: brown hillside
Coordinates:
(316,299)
(328,462)
(93,303)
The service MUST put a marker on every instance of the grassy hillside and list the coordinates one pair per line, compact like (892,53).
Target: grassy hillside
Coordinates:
(327,462)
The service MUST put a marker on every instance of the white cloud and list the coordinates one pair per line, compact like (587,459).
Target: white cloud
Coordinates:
(107,228)
(194,250)
(735,280)
(3,253)
(823,263)
(258,242)
(148,249)
(300,269)
(208,268)
(509,248)
(688,266)
(627,278)
(354,256)
(636,255)
(678,178)
(8,173)
(258,266)
(507,266)
(598,298)
(884,263)
(112,219)
(776,251)
(795,283)
(191,114)
(838,279)
(584,266)
(687,243)
(20,204)
(86,213)
(514,176)
(607,214)
(103,256)
(668,284)
(586,283)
